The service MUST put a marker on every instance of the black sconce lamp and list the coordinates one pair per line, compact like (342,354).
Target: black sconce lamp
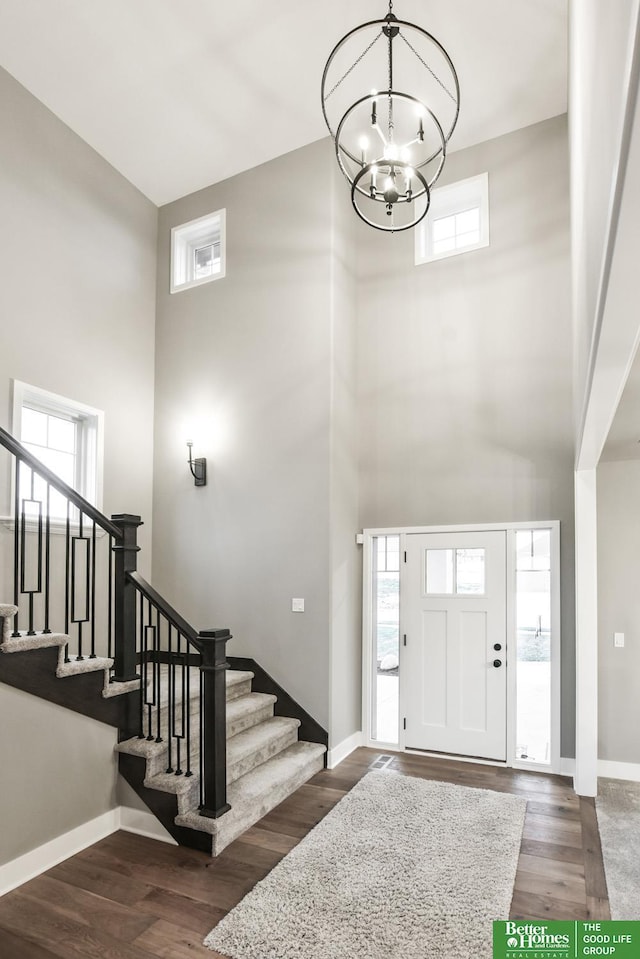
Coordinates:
(198,468)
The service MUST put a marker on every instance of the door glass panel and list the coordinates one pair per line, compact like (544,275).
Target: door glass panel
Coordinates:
(386,638)
(459,571)
(470,572)
(439,571)
(533,621)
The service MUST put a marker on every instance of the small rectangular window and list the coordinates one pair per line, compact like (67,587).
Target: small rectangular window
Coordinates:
(198,251)
(457,221)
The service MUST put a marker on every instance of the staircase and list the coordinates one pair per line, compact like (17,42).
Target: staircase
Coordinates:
(206,747)
(266,762)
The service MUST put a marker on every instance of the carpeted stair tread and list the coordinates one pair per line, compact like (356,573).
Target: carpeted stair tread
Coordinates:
(252,796)
(7,612)
(243,713)
(238,683)
(257,738)
(22,643)
(248,711)
(77,667)
(147,748)
(113,688)
(245,751)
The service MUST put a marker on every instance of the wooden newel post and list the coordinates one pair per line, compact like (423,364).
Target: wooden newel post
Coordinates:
(212,645)
(126,560)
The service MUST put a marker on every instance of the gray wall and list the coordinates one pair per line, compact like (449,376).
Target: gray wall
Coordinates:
(345,653)
(618,610)
(59,771)
(465,365)
(77,305)
(244,368)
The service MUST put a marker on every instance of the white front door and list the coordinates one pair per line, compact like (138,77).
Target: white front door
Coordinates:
(453,627)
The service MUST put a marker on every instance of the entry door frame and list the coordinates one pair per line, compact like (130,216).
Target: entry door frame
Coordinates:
(368,661)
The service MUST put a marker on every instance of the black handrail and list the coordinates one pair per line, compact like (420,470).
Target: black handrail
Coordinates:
(169,613)
(11,444)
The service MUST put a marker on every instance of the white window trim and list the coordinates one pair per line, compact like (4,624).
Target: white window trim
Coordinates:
(556,763)
(91,460)
(472,192)
(185,238)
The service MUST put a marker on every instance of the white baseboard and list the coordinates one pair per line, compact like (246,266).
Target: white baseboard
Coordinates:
(144,823)
(34,863)
(31,864)
(613,770)
(340,752)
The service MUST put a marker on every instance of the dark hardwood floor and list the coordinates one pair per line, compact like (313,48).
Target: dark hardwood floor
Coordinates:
(128,897)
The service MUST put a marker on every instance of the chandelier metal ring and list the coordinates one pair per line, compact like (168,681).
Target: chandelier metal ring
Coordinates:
(392,228)
(441,151)
(382,23)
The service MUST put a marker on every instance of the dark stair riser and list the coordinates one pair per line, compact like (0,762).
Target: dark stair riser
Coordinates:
(34,671)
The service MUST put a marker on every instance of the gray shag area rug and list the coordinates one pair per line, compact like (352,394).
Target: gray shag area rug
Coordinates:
(618,810)
(401,867)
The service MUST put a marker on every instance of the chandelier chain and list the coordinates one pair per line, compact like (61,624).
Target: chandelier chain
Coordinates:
(353,66)
(426,65)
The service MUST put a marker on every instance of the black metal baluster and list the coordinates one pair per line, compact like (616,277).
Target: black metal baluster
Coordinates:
(143,664)
(24,587)
(175,703)
(159,687)
(170,697)
(16,545)
(153,672)
(66,579)
(73,584)
(201,744)
(93,590)
(180,736)
(110,599)
(47,561)
(187,670)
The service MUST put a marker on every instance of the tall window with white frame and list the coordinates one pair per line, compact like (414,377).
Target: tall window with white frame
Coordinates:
(386,638)
(67,437)
(533,624)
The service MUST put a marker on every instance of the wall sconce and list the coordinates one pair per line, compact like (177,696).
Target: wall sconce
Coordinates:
(198,468)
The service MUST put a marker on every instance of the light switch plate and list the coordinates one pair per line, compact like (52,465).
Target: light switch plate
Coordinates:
(297,605)
(618,639)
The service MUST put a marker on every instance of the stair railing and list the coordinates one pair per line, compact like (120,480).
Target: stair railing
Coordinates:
(75,570)
(165,641)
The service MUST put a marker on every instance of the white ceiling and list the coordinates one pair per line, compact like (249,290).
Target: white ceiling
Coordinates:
(178,95)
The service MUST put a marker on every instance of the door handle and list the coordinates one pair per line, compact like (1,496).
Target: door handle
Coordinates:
(497,663)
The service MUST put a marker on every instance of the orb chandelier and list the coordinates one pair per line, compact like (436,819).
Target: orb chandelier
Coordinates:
(390,144)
